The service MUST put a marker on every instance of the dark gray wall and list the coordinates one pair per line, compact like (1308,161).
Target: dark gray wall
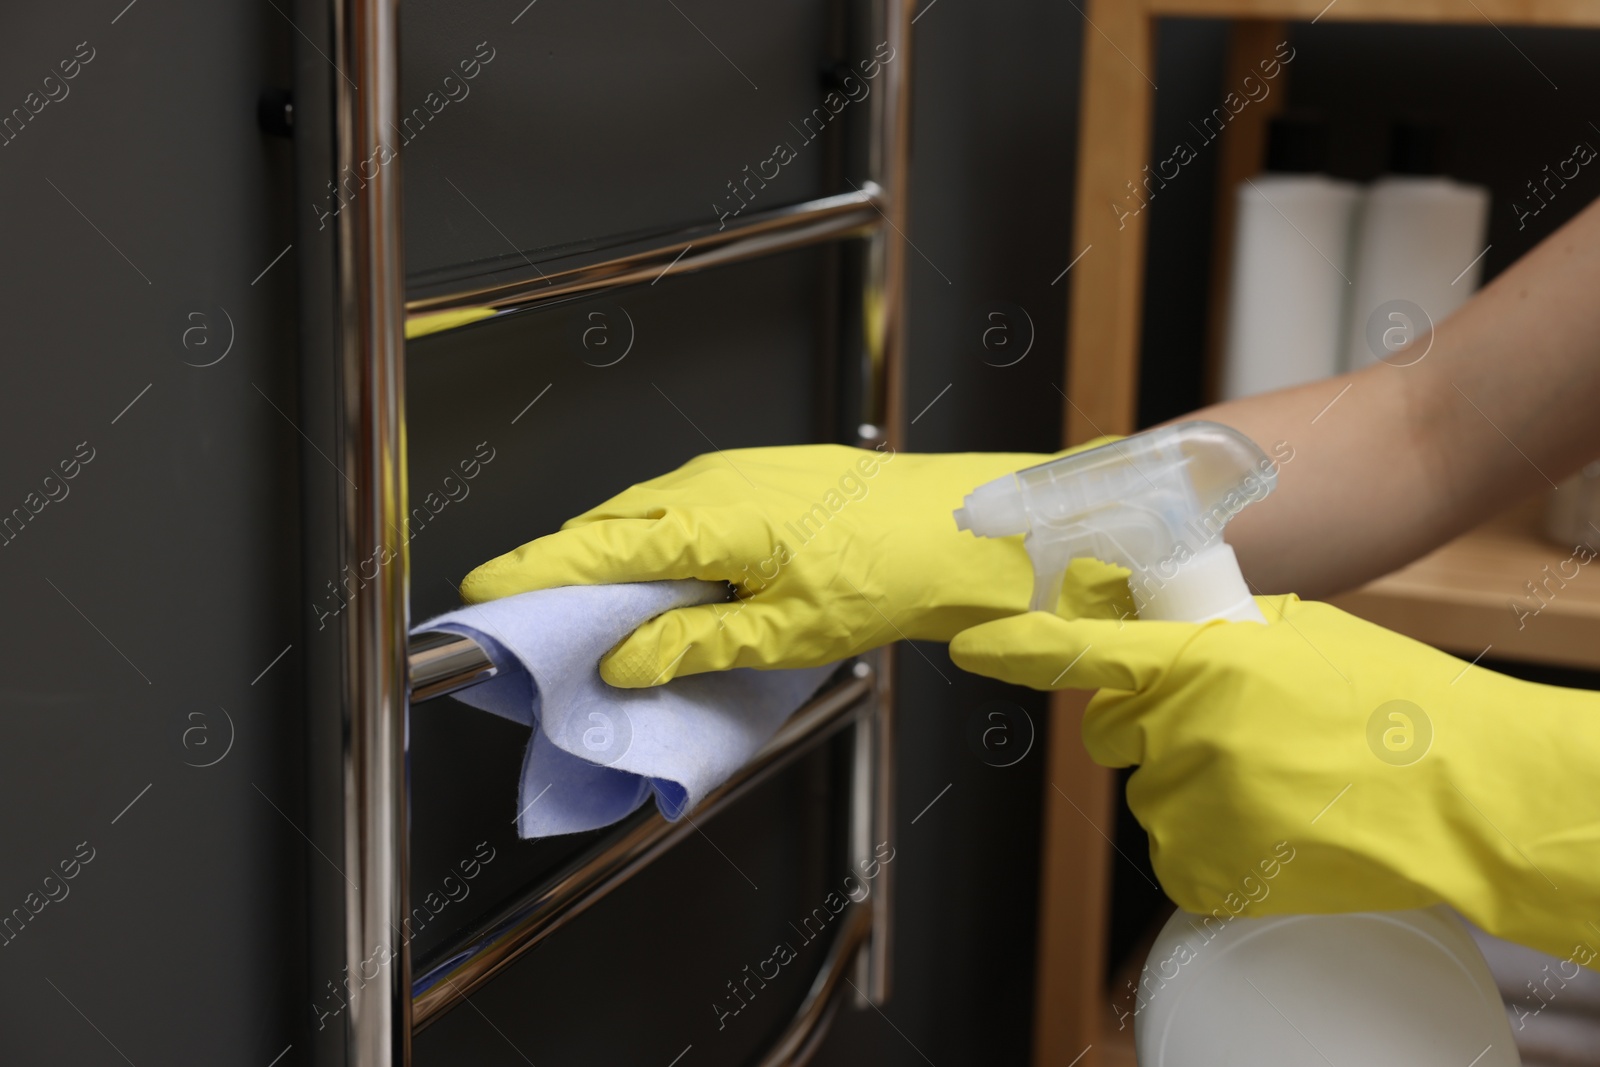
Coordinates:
(146,604)
(594,121)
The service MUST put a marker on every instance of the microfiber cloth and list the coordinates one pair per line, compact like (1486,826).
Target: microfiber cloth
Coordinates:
(598,752)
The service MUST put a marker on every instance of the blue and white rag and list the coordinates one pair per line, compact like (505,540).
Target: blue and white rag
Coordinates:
(598,752)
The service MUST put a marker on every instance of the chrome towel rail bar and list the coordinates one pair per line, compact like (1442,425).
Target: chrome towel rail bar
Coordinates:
(459,969)
(443,662)
(645,260)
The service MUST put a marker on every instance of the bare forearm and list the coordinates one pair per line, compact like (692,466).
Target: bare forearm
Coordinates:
(1389,462)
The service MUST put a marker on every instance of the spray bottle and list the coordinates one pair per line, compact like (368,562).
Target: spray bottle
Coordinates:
(1154,503)
(1386,988)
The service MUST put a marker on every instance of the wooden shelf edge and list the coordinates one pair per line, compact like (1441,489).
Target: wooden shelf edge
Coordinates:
(1470,12)
(1472,596)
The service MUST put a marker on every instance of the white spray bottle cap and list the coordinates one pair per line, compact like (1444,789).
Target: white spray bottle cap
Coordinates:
(1155,503)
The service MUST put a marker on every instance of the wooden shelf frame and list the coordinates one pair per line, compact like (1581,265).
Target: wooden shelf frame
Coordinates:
(1107,286)
(1451,598)
(1503,591)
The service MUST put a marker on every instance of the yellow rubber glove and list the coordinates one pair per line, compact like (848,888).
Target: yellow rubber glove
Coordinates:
(1399,775)
(831,550)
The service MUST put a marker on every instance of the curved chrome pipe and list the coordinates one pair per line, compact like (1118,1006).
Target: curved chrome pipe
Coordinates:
(459,969)
(803,1037)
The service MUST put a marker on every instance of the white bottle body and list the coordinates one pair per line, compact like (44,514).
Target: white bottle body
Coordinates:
(1379,989)
(1418,240)
(1288,290)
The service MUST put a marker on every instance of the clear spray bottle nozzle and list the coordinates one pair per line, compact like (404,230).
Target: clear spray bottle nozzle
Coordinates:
(1155,503)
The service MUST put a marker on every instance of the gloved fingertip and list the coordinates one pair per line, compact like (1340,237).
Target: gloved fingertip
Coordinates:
(475,588)
(621,678)
(637,664)
(968,660)
(971,651)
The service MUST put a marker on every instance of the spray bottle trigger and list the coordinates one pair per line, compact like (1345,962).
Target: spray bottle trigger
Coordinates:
(1047,589)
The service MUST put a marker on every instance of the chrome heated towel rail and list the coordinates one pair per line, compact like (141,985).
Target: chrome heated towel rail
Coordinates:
(384,669)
